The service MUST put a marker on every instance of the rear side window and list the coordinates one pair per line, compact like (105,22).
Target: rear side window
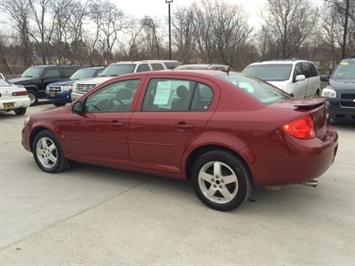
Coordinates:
(177,95)
(68,71)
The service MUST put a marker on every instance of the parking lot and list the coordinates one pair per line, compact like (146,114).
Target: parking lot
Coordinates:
(100,216)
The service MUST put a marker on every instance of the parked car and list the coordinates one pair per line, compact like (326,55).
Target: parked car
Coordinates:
(341,91)
(120,68)
(299,78)
(36,78)
(59,93)
(223,131)
(203,66)
(13,98)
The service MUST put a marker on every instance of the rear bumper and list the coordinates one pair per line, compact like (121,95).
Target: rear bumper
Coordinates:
(291,160)
(11,104)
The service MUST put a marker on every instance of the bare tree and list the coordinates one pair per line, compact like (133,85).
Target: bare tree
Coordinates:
(219,30)
(18,11)
(110,21)
(287,25)
(184,41)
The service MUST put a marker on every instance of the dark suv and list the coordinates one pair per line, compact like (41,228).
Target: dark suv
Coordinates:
(36,78)
(341,90)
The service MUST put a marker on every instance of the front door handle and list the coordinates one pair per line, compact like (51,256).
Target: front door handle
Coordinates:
(115,123)
(184,126)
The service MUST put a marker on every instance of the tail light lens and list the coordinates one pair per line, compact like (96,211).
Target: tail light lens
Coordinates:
(19,93)
(302,128)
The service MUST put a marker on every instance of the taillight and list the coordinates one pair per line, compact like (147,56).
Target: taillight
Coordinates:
(302,128)
(19,93)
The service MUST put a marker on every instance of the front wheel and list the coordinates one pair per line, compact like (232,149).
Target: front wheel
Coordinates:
(48,153)
(221,180)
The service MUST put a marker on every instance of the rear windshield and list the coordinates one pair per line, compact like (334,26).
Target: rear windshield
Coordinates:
(270,72)
(118,69)
(259,90)
(345,70)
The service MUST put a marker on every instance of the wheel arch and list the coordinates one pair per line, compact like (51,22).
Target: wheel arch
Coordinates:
(196,153)
(37,130)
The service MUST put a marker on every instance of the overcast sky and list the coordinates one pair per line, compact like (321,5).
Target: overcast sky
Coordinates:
(159,9)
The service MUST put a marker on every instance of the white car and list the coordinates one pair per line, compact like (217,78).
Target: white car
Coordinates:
(13,98)
(83,86)
(299,78)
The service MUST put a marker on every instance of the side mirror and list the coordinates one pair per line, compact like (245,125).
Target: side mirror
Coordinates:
(300,78)
(324,78)
(78,107)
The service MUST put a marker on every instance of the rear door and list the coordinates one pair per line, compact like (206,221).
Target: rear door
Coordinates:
(159,132)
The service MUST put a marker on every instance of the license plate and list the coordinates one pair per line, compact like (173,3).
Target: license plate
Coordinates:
(52,94)
(9,105)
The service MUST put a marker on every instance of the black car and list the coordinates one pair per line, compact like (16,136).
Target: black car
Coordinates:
(36,78)
(341,91)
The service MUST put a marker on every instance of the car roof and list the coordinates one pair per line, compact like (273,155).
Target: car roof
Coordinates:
(280,61)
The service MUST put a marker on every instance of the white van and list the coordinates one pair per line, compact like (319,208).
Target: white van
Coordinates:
(299,78)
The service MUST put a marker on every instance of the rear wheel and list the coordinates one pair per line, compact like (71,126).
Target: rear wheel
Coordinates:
(33,97)
(221,180)
(20,111)
(48,153)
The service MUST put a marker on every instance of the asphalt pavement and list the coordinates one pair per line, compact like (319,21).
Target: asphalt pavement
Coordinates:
(91,215)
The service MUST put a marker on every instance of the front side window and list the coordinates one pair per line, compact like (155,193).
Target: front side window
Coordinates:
(157,66)
(143,67)
(177,95)
(115,97)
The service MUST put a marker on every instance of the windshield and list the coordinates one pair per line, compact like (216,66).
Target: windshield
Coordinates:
(3,83)
(345,70)
(270,72)
(118,69)
(84,73)
(32,72)
(259,90)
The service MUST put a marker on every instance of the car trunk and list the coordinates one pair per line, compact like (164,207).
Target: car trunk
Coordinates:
(319,110)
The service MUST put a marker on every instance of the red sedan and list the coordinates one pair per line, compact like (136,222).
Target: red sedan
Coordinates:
(224,131)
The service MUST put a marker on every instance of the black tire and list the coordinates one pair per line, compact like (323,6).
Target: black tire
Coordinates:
(20,111)
(33,97)
(209,178)
(59,104)
(48,153)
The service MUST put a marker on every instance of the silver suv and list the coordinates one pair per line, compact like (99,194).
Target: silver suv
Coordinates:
(299,78)
(82,86)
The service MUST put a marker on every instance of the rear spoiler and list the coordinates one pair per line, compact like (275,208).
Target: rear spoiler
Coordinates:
(311,103)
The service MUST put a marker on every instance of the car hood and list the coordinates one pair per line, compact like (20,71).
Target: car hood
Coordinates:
(22,81)
(96,81)
(62,83)
(345,84)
